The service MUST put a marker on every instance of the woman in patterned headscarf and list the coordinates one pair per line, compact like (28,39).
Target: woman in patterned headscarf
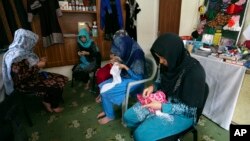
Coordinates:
(132,63)
(21,71)
(182,78)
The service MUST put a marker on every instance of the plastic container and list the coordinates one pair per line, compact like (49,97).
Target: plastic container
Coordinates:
(94,29)
(217,37)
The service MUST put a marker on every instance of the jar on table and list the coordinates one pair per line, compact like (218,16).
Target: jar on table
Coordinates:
(217,37)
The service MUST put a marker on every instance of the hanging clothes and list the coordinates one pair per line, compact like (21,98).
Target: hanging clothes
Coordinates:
(10,16)
(3,36)
(48,10)
(132,9)
(22,15)
(111,17)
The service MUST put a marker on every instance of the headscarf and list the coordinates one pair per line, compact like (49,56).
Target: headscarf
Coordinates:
(87,43)
(128,50)
(171,47)
(21,48)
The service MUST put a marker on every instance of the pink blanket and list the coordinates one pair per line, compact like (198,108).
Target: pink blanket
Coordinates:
(157,96)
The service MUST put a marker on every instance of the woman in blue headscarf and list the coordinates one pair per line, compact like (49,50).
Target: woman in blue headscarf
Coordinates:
(131,62)
(21,71)
(89,54)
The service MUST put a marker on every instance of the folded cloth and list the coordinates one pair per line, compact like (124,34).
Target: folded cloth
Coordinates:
(115,71)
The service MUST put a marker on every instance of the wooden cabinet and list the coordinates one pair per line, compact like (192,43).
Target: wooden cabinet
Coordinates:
(66,53)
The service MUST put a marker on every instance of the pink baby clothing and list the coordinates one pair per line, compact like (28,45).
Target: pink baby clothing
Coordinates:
(157,96)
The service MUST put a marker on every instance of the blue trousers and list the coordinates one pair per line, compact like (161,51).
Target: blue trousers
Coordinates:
(150,127)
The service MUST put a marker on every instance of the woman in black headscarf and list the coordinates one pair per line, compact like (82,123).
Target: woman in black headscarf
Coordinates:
(182,79)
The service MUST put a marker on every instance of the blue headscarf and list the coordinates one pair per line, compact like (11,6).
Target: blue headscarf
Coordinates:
(129,52)
(87,43)
(21,48)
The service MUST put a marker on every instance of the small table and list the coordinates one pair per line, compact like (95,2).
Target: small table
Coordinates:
(224,81)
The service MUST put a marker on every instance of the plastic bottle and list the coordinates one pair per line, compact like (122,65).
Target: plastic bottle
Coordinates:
(94,29)
(217,37)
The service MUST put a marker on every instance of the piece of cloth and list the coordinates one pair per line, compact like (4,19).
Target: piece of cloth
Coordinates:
(185,99)
(115,72)
(157,96)
(21,72)
(132,9)
(132,56)
(21,48)
(48,11)
(103,73)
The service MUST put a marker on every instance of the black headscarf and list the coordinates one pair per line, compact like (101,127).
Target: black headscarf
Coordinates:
(171,47)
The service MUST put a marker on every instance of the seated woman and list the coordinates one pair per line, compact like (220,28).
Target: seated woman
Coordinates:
(21,71)
(103,73)
(183,80)
(132,62)
(90,57)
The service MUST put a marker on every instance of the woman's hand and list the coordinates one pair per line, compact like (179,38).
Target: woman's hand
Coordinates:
(156,105)
(147,91)
(123,66)
(83,53)
(41,64)
(114,59)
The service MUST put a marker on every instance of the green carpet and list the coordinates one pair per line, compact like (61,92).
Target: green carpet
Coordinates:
(78,121)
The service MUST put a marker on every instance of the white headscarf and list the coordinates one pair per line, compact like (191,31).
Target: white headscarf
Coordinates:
(21,48)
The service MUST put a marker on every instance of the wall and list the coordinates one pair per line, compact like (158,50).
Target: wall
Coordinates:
(147,23)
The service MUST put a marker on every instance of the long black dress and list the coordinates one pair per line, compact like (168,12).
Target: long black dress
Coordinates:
(48,11)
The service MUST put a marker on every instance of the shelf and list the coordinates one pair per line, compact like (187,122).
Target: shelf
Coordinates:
(78,11)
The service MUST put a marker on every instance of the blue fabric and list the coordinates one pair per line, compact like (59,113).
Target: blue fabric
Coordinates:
(84,62)
(105,5)
(115,95)
(152,123)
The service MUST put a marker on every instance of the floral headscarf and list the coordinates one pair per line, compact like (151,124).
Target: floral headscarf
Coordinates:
(129,52)
(21,48)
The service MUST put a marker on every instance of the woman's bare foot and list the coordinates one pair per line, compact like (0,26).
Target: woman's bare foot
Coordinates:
(47,106)
(104,120)
(58,109)
(98,99)
(100,115)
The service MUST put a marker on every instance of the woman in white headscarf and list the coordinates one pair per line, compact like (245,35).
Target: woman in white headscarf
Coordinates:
(21,71)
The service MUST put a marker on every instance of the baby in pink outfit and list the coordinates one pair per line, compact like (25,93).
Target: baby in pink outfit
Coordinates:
(157,96)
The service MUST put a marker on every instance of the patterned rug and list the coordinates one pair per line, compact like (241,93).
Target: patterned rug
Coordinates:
(78,121)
